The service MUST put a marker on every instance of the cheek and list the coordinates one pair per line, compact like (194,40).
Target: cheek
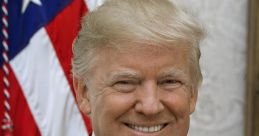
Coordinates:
(107,110)
(112,105)
(178,103)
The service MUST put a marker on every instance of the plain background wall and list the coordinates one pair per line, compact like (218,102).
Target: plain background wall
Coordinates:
(220,109)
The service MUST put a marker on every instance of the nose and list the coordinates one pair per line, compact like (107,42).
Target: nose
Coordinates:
(148,100)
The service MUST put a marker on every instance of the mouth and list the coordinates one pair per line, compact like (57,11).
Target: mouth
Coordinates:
(147,129)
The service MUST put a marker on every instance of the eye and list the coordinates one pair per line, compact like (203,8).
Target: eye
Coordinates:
(123,82)
(170,83)
(125,85)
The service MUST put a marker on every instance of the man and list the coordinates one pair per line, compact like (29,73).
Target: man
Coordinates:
(136,68)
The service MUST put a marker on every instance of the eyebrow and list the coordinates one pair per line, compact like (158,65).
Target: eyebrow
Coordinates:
(125,73)
(173,72)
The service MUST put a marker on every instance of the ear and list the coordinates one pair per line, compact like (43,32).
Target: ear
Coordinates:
(82,97)
(193,99)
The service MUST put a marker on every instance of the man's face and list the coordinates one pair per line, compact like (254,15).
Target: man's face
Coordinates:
(140,92)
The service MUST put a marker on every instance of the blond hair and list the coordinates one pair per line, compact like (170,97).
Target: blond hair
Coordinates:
(157,22)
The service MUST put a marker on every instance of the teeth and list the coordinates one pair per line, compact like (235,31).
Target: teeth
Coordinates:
(146,129)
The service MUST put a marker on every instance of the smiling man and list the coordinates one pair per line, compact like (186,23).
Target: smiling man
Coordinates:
(136,68)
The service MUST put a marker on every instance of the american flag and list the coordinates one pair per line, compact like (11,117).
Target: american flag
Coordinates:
(37,97)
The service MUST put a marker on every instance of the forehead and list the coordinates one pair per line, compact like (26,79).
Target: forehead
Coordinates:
(143,58)
(149,50)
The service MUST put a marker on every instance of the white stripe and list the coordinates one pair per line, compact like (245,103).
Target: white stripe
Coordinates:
(93,4)
(6,93)
(5,45)
(5,1)
(4,10)
(46,89)
(6,104)
(6,71)
(5,57)
(5,33)
(5,22)
(7,116)
(7,126)
(6,81)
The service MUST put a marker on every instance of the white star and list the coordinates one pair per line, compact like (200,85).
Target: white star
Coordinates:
(26,3)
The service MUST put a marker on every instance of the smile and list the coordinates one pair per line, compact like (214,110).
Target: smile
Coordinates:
(147,129)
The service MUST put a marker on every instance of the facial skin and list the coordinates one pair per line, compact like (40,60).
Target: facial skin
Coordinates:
(139,92)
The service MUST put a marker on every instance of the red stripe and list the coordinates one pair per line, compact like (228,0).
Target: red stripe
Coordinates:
(24,123)
(4,5)
(62,30)
(4,17)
